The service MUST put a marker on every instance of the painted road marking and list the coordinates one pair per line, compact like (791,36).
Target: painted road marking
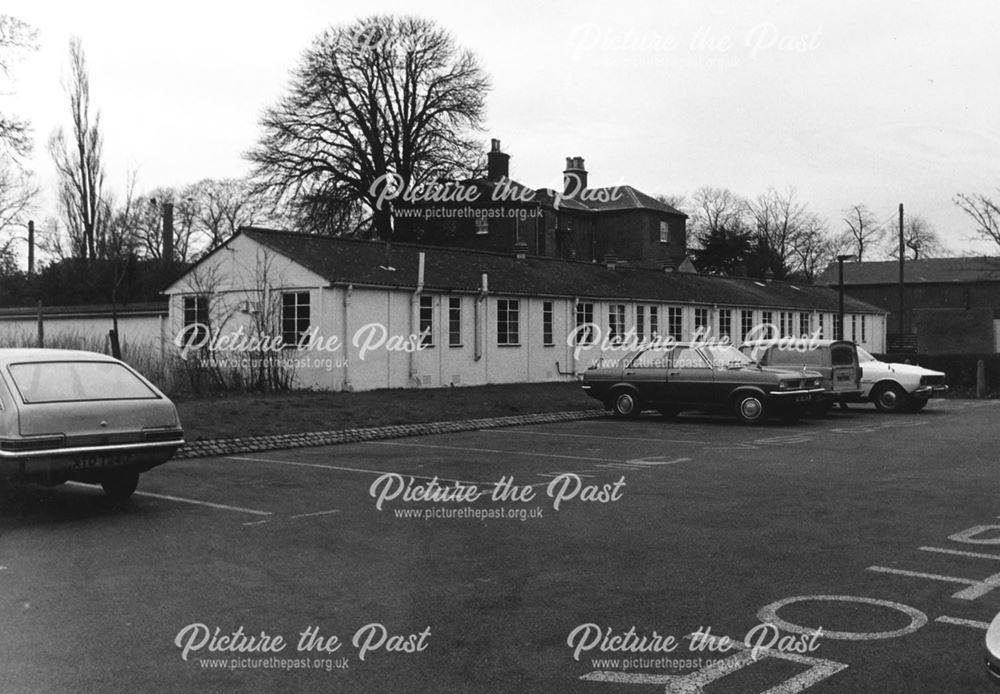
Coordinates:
(960,553)
(209,504)
(489,450)
(769,614)
(345,469)
(963,622)
(317,513)
(976,589)
(594,436)
(695,682)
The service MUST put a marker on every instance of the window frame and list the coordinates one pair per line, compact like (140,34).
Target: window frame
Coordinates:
(297,317)
(505,309)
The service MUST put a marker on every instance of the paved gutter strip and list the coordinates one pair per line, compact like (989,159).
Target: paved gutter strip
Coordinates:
(253,444)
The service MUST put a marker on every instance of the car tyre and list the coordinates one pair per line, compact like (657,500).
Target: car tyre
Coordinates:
(890,398)
(120,486)
(625,404)
(750,408)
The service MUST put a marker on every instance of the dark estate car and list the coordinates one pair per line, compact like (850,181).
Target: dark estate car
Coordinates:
(701,377)
(69,415)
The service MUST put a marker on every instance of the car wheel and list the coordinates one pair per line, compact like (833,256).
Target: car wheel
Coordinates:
(890,398)
(120,485)
(916,404)
(750,409)
(625,404)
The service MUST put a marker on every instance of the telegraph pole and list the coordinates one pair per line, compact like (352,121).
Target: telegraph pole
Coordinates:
(901,265)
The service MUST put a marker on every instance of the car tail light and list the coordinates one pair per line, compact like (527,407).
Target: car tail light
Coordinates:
(163,435)
(37,443)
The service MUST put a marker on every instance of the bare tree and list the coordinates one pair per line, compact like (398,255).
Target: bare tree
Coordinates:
(720,231)
(863,229)
(387,99)
(813,249)
(920,240)
(78,165)
(225,205)
(16,37)
(778,220)
(984,211)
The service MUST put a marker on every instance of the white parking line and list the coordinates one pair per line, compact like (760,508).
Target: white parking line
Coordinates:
(960,553)
(317,513)
(963,622)
(594,436)
(182,500)
(366,471)
(209,504)
(489,450)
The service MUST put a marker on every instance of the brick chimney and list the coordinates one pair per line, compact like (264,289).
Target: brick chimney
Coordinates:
(497,163)
(574,177)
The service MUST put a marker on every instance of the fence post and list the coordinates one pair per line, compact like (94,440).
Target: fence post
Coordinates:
(41,326)
(980,378)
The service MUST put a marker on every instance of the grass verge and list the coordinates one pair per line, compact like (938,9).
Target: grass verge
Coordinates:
(303,411)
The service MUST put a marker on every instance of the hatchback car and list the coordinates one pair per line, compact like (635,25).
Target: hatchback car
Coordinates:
(898,387)
(700,377)
(836,360)
(82,416)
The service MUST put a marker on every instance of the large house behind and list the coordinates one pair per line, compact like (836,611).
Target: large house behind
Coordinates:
(485,317)
(577,222)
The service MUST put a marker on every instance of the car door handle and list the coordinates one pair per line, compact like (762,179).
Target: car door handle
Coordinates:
(673,373)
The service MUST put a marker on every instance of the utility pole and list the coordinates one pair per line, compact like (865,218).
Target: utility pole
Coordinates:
(31,247)
(902,260)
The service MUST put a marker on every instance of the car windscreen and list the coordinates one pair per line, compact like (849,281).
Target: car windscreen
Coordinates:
(77,381)
(722,356)
(843,355)
(865,355)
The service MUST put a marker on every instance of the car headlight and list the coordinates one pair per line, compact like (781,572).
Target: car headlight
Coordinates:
(785,385)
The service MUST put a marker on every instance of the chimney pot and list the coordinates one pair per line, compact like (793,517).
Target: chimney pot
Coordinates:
(497,162)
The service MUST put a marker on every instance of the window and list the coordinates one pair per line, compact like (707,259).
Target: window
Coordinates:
(584,317)
(426,325)
(547,324)
(784,324)
(195,314)
(803,324)
(508,322)
(482,224)
(640,320)
(822,329)
(294,317)
(838,327)
(726,323)
(454,321)
(688,358)
(746,324)
(654,322)
(77,381)
(675,325)
(767,320)
(664,232)
(616,322)
(701,319)
(655,358)
(854,328)
(864,338)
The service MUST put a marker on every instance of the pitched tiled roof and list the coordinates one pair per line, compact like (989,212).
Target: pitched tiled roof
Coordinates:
(625,198)
(365,263)
(931,270)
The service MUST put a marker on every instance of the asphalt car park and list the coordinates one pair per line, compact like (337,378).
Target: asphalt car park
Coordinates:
(880,529)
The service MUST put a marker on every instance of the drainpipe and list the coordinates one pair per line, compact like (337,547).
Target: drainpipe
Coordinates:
(572,363)
(415,315)
(347,335)
(477,314)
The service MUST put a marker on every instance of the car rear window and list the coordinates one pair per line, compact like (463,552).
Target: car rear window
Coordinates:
(808,357)
(74,381)
(842,355)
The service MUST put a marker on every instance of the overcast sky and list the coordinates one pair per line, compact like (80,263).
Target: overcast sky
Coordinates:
(847,102)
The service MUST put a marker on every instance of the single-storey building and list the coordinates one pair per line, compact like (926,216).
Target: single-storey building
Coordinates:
(358,315)
(950,305)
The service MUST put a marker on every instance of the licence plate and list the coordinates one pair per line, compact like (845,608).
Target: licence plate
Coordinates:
(90,462)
